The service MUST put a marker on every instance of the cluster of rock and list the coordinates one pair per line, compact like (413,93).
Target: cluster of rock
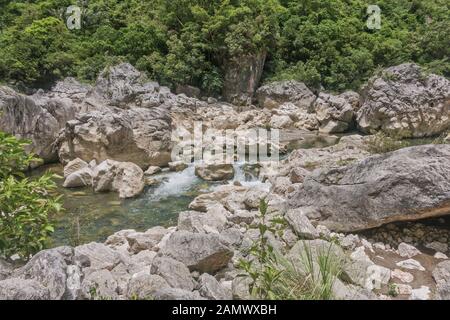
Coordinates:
(116,135)
(126,178)
(403,101)
(432,236)
(37,118)
(198,258)
(124,117)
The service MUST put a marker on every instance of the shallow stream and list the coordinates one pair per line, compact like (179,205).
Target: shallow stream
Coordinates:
(90,216)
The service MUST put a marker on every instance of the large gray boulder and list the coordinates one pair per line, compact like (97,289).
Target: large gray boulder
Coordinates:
(36,118)
(119,84)
(143,285)
(96,256)
(126,178)
(211,289)
(125,87)
(141,136)
(198,251)
(80,178)
(301,224)
(406,101)
(301,161)
(213,221)
(174,272)
(215,171)
(342,291)
(99,285)
(23,289)
(69,88)
(334,113)
(274,94)
(408,184)
(441,274)
(140,241)
(77,173)
(48,268)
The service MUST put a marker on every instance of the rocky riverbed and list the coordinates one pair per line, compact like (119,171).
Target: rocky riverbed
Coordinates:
(115,137)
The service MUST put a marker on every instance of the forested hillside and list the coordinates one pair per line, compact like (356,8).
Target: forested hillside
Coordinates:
(323,43)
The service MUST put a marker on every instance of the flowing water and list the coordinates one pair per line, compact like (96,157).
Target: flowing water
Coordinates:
(90,216)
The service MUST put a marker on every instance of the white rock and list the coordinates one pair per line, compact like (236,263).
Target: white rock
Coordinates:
(323,231)
(377,276)
(152,170)
(124,177)
(212,221)
(211,289)
(441,273)
(99,256)
(73,166)
(301,224)
(174,272)
(439,255)
(404,289)
(360,255)
(411,264)
(367,245)
(349,242)
(423,293)
(99,284)
(402,276)
(198,251)
(279,122)
(140,241)
(407,251)
(79,178)
(379,245)
(143,285)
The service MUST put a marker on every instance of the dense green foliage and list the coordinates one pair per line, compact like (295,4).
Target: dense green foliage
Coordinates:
(24,204)
(187,41)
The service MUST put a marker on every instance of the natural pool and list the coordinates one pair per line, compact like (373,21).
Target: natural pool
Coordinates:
(90,216)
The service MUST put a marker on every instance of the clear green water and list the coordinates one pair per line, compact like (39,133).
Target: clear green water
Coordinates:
(90,216)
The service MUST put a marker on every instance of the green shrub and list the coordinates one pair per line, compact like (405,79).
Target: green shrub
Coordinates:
(24,204)
(312,278)
(276,278)
(393,290)
(323,43)
(264,269)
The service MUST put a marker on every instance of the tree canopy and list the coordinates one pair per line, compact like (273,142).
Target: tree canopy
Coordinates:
(323,43)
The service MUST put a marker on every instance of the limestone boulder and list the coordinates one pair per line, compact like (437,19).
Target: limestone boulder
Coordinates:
(406,101)
(407,184)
